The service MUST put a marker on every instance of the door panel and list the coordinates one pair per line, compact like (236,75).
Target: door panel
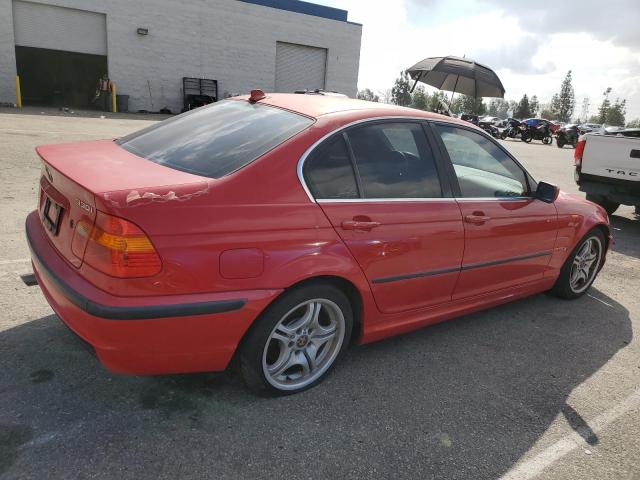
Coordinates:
(513,245)
(380,187)
(412,258)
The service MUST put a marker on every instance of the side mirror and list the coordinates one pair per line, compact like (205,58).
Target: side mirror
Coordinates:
(546,192)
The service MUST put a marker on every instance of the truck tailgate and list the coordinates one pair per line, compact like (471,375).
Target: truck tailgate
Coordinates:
(612,156)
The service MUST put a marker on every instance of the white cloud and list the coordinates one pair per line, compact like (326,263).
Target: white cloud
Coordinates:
(529,49)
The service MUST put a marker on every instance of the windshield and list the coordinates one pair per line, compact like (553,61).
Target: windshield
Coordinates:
(216,140)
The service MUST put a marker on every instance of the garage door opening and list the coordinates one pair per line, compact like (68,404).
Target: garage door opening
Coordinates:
(58,78)
(60,53)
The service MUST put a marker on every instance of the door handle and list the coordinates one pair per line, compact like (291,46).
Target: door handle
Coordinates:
(358,225)
(476,219)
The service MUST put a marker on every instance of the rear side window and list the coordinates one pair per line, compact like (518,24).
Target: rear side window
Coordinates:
(394,161)
(216,140)
(329,172)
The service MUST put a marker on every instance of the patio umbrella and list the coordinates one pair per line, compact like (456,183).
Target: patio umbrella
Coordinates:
(457,75)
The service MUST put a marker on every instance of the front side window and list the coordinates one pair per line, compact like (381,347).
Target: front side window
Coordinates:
(215,140)
(482,168)
(394,160)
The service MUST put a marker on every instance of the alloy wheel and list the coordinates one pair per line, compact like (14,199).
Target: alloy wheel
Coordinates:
(585,264)
(304,344)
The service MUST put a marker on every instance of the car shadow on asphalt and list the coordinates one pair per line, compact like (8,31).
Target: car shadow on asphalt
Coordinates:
(462,399)
(626,235)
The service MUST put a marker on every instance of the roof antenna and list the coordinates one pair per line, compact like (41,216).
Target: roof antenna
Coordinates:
(256,95)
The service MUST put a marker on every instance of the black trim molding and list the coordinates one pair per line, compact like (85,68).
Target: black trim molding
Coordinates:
(145,312)
(409,276)
(470,266)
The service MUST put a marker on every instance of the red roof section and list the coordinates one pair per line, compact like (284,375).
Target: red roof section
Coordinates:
(313,105)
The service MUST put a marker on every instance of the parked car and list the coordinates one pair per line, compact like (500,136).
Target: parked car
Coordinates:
(589,127)
(468,117)
(607,168)
(279,228)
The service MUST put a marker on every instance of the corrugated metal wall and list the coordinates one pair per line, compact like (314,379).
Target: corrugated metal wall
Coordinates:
(300,67)
(59,28)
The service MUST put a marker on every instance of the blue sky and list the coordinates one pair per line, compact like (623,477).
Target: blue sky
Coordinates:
(531,46)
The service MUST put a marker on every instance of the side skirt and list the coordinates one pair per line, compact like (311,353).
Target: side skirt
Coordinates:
(395,324)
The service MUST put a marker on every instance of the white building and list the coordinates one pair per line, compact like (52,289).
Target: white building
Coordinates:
(60,48)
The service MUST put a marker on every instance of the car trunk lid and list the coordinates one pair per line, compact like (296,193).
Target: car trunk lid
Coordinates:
(73,174)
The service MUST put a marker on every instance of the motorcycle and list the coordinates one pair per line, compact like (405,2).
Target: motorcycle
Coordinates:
(490,128)
(539,132)
(568,135)
(512,129)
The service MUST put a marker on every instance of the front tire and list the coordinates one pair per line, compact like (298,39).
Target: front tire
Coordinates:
(609,206)
(294,344)
(581,267)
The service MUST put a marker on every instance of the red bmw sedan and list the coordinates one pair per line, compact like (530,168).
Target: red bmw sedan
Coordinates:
(277,229)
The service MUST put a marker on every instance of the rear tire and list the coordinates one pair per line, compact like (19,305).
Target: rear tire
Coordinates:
(609,206)
(560,142)
(296,342)
(581,267)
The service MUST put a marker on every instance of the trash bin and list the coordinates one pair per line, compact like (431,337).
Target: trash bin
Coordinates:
(122,103)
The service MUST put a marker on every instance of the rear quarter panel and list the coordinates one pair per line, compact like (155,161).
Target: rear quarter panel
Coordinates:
(262,209)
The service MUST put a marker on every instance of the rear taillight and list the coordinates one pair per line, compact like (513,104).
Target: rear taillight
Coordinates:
(116,247)
(577,155)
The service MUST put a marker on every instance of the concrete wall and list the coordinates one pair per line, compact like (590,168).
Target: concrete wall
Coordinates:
(231,41)
(7,54)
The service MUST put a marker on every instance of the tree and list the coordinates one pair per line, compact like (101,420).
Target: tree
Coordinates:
(548,113)
(456,105)
(368,95)
(503,108)
(634,123)
(472,105)
(401,91)
(616,113)
(498,107)
(435,100)
(566,99)
(385,95)
(523,110)
(420,98)
(534,106)
(604,107)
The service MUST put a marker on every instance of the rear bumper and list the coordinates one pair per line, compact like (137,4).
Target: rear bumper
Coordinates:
(145,335)
(621,191)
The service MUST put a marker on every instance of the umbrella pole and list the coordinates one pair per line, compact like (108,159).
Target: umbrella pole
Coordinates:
(416,82)
(454,91)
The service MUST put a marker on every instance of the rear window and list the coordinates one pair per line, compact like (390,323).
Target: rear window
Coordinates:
(216,140)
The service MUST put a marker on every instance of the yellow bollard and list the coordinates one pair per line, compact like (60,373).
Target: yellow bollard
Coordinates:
(114,108)
(18,92)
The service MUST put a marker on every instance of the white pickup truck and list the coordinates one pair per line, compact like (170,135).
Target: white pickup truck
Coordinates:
(608,168)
